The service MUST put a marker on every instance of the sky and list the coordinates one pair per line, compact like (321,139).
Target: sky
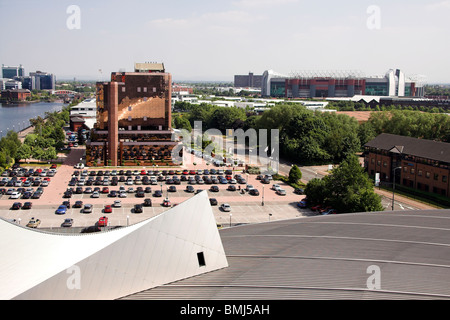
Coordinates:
(211,40)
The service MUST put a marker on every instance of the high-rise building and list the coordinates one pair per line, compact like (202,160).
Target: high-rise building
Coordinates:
(133,119)
(11,72)
(250,80)
(43,80)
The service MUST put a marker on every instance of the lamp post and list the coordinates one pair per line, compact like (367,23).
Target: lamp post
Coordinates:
(230,219)
(262,203)
(393,186)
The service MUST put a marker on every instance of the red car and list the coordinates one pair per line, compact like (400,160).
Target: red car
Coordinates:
(166,203)
(107,209)
(105,190)
(103,222)
(316,207)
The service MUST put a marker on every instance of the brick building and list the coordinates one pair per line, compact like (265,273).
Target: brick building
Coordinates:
(418,163)
(15,94)
(133,125)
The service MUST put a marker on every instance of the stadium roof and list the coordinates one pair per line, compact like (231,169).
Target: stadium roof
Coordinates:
(382,255)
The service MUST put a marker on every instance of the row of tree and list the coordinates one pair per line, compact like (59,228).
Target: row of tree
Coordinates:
(310,137)
(48,137)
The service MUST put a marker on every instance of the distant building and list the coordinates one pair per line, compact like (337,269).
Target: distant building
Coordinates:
(15,94)
(422,164)
(338,84)
(250,80)
(42,80)
(11,72)
(133,119)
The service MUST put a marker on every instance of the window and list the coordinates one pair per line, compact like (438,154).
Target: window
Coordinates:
(138,89)
(373,161)
(419,173)
(436,176)
(201,259)
(405,169)
(379,162)
(444,178)
(123,89)
(145,89)
(412,170)
(384,164)
(427,174)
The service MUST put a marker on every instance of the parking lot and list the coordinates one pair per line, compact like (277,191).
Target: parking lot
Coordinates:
(245,208)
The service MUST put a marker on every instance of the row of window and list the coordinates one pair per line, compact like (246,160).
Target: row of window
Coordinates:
(413,171)
(140,89)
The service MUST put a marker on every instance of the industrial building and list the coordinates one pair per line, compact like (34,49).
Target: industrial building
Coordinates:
(248,81)
(133,124)
(316,84)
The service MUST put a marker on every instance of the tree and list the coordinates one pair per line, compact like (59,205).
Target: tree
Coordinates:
(181,122)
(24,152)
(295,174)
(347,189)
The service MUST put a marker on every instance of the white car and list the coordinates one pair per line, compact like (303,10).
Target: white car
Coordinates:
(117,203)
(79,166)
(122,194)
(95,194)
(276,187)
(225,207)
(15,195)
(281,192)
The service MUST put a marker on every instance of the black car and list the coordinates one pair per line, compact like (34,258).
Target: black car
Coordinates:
(213,201)
(158,193)
(231,187)
(214,189)
(16,206)
(147,202)
(299,191)
(78,204)
(67,204)
(140,194)
(172,189)
(27,205)
(113,194)
(138,208)
(254,192)
(190,189)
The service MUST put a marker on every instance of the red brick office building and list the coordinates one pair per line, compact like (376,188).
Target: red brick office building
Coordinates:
(418,163)
(134,118)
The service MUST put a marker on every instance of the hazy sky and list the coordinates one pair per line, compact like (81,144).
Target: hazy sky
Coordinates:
(214,40)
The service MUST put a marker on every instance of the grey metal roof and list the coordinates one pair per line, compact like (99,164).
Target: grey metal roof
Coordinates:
(327,257)
(428,149)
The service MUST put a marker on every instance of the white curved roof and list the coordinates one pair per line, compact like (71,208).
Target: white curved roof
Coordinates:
(112,264)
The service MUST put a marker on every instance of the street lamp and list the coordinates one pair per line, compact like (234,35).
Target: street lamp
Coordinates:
(393,186)
(262,203)
(230,219)
(270,216)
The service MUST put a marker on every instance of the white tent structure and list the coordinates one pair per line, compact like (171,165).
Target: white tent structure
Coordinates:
(179,243)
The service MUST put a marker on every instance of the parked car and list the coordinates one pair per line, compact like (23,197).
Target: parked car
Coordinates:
(157,193)
(253,192)
(214,189)
(95,194)
(275,187)
(66,203)
(67,222)
(225,207)
(299,191)
(138,208)
(281,192)
(117,204)
(107,208)
(33,223)
(62,209)
(147,202)
(15,195)
(329,211)
(213,201)
(16,205)
(316,207)
(166,203)
(103,221)
(78,204)
(87,208)
(302,204)
(27,205)
(231,187)
(190,189)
